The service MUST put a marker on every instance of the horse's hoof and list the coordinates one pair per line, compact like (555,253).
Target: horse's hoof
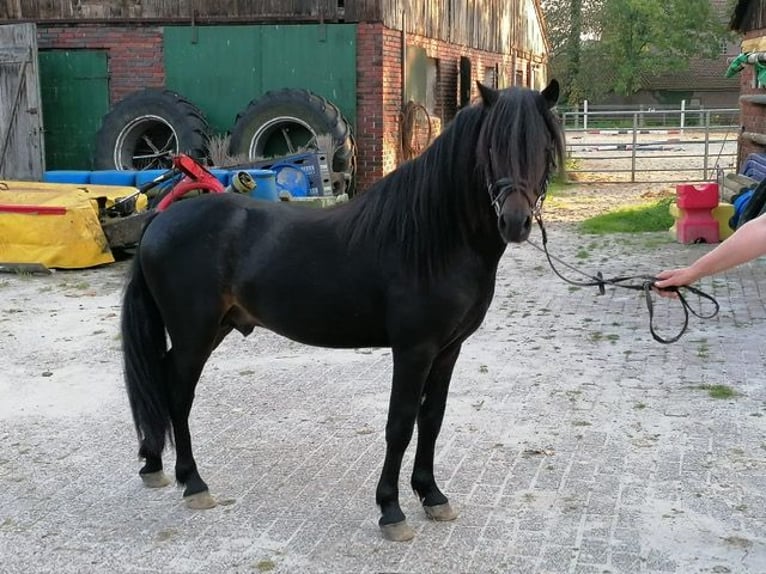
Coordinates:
(155,479)
(200,501)
(440,512)
(397,532)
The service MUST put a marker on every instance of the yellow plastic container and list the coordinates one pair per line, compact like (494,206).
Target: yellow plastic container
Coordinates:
(723,213)
(56,224)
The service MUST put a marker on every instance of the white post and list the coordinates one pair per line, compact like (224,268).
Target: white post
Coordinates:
(585,114)
(683,114)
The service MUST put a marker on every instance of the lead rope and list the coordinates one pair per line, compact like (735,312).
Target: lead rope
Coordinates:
(647,281)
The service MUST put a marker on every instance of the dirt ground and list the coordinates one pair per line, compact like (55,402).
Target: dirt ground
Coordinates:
(572,443)
(580,200)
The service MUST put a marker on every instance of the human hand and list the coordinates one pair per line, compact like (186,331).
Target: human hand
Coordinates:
(672,278)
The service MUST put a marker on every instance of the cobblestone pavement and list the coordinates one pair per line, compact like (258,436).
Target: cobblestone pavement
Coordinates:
(573,443)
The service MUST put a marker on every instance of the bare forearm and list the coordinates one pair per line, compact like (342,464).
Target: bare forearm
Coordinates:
(747,243)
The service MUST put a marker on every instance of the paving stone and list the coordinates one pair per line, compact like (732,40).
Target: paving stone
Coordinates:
(573,442)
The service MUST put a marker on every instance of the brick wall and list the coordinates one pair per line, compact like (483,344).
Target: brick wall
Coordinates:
(379,104)
(134,53)
(753,116)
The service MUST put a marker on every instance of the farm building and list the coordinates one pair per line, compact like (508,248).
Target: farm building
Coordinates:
(749,19)
(378,77)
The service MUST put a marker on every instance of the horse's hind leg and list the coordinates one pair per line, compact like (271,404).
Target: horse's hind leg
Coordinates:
(151,473)
(430,417)
(188,359)
(410,370)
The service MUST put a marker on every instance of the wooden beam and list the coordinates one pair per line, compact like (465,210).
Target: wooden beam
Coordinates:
(760,139)
(757,99)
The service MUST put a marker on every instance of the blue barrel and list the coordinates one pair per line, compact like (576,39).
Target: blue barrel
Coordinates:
(222,175)
(113,177)
(265,184)
(291,179)
(66,176)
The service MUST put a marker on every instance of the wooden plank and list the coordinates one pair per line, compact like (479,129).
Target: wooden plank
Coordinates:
(760,139)
(21,133)
(490,25)
(757,99)
(10,9)
(733,184)
(175,10)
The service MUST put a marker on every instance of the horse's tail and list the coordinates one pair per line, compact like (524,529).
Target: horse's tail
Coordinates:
(144,349)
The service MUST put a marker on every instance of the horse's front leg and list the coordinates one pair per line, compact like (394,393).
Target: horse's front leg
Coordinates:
(410,370)
(430,416)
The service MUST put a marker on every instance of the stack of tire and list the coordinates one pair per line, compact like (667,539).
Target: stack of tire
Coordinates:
(146,128)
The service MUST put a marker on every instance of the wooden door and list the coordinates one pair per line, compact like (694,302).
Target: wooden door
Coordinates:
(21,130)
(75,97)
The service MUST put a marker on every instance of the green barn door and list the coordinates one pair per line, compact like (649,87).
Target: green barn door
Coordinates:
(74,86)
(222,68)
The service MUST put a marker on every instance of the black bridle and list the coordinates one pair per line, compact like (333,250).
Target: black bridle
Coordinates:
(502,188)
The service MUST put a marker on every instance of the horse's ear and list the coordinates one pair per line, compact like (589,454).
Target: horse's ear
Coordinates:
(551,93)
(488,95)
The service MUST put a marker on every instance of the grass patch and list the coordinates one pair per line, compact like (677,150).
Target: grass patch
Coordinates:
(651,217)
(582,254)
(80,285)
(719,391)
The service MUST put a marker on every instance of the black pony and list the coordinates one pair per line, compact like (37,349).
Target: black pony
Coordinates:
(409,264)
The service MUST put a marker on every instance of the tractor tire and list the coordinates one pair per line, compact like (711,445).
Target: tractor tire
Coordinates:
(144,130)
(287,121)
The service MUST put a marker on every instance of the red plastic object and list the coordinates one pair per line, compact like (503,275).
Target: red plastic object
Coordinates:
(696,223)
(185,186)
(33,209)
(697,230)
(196,176)
(690,196)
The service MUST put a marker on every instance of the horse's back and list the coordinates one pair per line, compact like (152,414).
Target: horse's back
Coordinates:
(195,221)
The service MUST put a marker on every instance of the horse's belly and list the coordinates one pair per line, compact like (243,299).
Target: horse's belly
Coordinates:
(338,336)
(324,323)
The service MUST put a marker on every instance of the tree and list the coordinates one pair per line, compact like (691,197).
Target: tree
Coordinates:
(643,38)
(601,46)
(564,23)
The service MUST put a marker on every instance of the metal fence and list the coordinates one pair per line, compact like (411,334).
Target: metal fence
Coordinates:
(650,145)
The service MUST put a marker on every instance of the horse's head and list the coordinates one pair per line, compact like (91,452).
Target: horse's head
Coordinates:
(520,144)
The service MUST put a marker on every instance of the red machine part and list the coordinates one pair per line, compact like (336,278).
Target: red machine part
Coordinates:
(196,176)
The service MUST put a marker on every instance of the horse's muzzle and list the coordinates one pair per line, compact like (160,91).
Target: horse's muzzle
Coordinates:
(515,226)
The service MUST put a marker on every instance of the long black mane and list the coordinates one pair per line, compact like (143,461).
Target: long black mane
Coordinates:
(438,201)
